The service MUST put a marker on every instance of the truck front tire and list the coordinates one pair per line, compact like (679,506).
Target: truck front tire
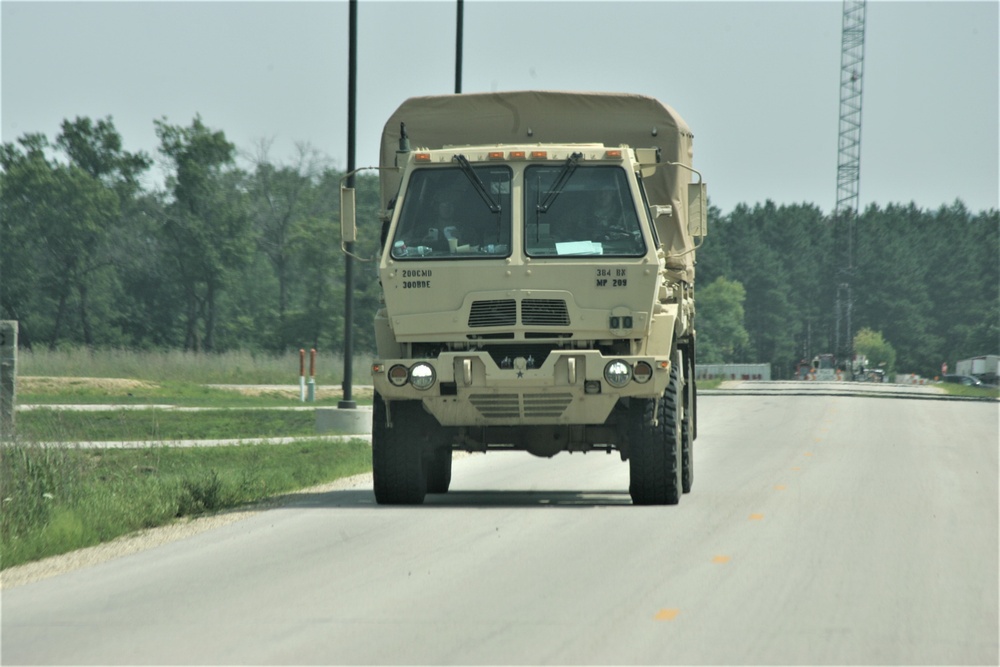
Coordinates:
(397,463)
(655,457)
(438,470)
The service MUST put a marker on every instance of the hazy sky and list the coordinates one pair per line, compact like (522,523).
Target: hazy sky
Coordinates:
(758,82)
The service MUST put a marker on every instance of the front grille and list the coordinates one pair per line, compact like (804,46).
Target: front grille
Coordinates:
(544,312)
(546,405)
(534,312)
(515,406)
(493,313)
(492,406)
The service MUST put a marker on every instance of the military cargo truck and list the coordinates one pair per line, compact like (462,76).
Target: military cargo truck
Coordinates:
(537,273)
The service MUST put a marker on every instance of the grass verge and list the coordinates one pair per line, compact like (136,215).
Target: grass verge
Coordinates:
(53,425)
(56,500)
(954,389)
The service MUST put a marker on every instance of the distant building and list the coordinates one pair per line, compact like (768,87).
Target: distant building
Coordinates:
(732,371)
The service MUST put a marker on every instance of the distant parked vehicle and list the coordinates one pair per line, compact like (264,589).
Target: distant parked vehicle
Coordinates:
(967,380)
(985,368)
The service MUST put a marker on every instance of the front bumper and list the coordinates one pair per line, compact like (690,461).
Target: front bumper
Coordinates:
(472,389)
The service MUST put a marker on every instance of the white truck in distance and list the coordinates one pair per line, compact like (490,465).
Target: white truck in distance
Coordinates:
(537,271)
(985,368)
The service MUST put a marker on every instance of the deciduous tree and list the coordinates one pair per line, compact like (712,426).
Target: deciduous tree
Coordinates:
(207,226)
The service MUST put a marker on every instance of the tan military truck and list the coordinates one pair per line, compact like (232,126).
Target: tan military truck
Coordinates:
(537,272)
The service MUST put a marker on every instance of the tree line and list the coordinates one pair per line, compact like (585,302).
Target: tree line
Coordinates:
(221,257)
(927,283)
(227,255)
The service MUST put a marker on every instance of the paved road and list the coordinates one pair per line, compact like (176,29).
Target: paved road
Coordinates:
(821,530)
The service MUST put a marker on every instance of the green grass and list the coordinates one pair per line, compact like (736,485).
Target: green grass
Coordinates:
(59,498)
(56,500)
(34,390)
(971,392)
(49,425)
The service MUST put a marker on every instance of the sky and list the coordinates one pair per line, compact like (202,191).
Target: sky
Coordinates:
(758,82)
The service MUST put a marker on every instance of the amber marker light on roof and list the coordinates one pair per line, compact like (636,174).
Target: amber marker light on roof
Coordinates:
(539,155)
(613,154)
(496,155)
(422,157)
(517,155)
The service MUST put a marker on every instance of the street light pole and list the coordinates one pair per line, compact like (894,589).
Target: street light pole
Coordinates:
(458,47)
(352,90)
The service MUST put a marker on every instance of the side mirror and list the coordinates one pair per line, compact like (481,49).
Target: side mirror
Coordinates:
(348,226)
(697,209)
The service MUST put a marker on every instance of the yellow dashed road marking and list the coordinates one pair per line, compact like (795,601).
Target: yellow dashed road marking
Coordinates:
(667,614)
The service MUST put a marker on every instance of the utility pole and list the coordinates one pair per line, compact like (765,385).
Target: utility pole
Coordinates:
(459,29)
(352,92)
(848,165)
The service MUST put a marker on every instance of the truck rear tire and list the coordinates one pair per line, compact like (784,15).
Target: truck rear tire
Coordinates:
(655,462)
(438,470)
(687,432)
(397,464)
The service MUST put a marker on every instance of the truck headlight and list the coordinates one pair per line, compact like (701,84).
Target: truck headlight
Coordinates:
(422,376)
(642,372)
(398,375)
(617,373)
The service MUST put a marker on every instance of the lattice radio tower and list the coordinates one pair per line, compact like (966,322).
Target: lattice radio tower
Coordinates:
(852,60)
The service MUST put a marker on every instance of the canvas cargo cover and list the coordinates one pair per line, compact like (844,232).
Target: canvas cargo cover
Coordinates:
(550,117)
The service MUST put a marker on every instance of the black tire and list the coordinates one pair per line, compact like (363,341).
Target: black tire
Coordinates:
(655,449)
(437,468)
(671,416)
(397,464)
(687,429)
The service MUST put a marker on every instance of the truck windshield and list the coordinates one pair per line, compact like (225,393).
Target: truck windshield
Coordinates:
(593,215)
(445,216)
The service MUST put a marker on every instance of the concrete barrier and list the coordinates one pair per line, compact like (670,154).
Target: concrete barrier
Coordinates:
(8,376)
(355,421)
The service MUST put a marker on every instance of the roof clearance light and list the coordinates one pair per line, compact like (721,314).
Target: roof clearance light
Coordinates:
(422,157)
(517,155)
(539,155)
(496,155)
(422,376)
(613,154)
(398,375)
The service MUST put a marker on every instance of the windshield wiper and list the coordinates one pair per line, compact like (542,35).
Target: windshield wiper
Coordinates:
(477,183)
(568,168)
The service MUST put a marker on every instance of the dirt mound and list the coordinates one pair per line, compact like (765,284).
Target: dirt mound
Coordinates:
(110,386)
(292,391)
